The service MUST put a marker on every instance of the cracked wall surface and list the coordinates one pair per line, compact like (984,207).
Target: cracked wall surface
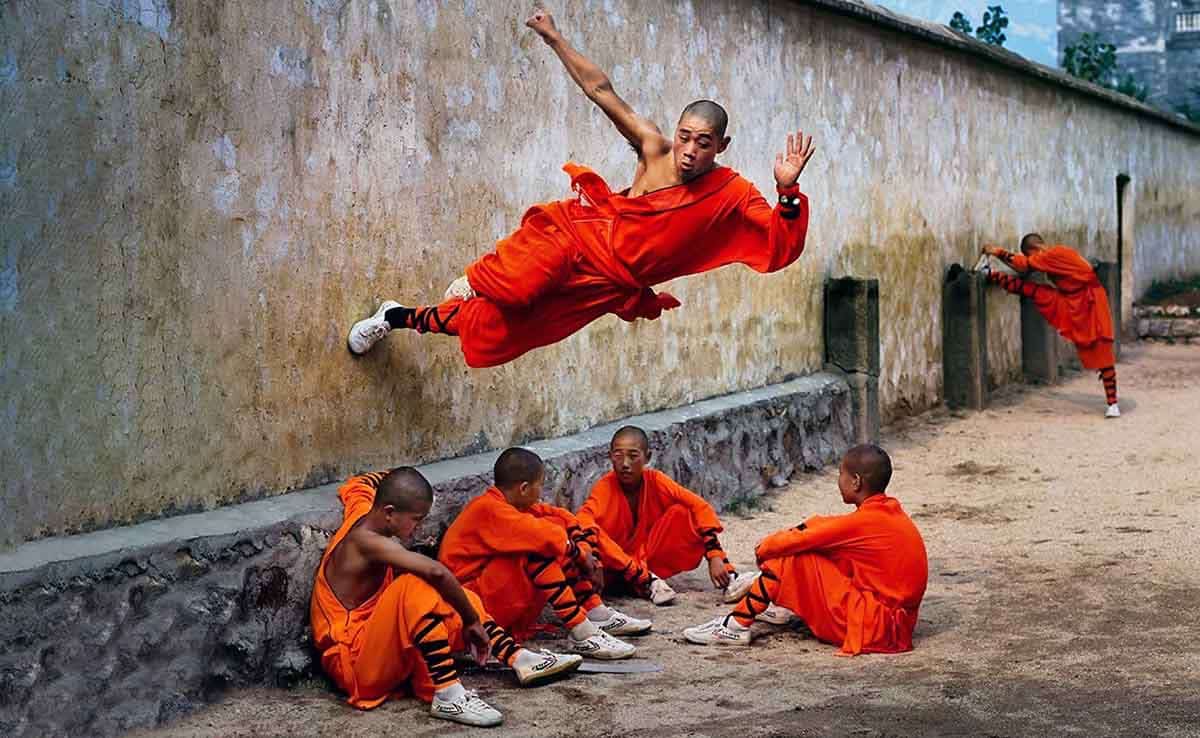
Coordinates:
(200,198)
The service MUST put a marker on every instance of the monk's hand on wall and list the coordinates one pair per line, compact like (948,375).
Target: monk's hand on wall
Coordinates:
(789,165)
(542,22)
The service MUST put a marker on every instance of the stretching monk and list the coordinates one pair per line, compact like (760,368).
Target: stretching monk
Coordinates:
(1077,305)
(856,580)
(572,261)
(385,618)
(649,527)
(518,553)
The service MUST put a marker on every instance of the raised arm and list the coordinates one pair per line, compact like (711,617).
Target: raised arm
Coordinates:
(641,133)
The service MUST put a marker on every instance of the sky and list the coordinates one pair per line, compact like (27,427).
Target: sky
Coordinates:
(1032,24)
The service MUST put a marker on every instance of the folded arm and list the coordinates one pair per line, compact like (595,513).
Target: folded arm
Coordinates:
(384,550)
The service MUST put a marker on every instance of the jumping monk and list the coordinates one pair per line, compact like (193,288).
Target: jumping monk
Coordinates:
(648,527)
(1077,305)
(856,580)
(386,620)
(601,252)
(517,554)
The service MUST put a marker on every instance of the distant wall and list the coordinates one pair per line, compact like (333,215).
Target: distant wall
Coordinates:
(199,198)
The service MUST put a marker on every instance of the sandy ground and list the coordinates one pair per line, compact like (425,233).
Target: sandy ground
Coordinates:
(1063,599)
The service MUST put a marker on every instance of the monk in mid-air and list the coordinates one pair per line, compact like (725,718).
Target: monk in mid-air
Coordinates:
(1077,304)
(649,527)
(600,252)
(518,554)
(856,580)
(386,620)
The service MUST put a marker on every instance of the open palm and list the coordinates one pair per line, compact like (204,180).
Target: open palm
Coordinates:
(788,166)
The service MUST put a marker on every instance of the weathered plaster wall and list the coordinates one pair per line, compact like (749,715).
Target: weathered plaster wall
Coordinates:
(199,198)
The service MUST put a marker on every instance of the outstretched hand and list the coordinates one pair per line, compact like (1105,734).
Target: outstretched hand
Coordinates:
(788,166)
(542,22)
(990,250)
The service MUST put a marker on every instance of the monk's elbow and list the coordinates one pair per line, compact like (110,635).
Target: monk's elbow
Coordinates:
(439,576)
(599,87)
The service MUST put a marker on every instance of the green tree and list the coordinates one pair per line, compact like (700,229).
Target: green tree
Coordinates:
(960,23)
(1091,59)
(1129,86)
(994,23)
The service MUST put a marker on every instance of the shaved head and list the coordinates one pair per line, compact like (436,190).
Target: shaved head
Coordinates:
(709,112)
(405,489)
(872,464)
(518,465)
(1031,239)
(633,433)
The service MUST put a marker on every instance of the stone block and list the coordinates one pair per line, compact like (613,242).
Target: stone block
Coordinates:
(864,407)
(1185,327)
(964,339)
(852,324)
(1143,327)
(1178,311)
(1039,346)
(1160,328)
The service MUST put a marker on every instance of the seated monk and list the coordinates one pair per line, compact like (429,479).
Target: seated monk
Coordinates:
(602,252)
(386,619)
(517,554)
(856,580)
(650,528)
(1077,305)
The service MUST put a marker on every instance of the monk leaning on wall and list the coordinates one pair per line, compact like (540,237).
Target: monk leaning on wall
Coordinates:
(574,260)
(649,527)
(1077,305)
(386,620)
(856,580)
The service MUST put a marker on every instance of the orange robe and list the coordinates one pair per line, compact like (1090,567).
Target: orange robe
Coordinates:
(370,651)
(1078,309)
(574,260)
(857,580)
(670,534)
(488,547)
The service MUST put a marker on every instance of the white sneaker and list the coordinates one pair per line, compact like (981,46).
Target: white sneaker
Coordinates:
(620,624)
(550,667)
(368,331)
(661,592)
(601,646)
(1113,411)
(716,633)
(461,289)
(739,585)
(776,615)
(468,710)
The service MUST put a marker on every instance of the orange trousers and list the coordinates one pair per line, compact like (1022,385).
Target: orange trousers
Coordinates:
(515,590)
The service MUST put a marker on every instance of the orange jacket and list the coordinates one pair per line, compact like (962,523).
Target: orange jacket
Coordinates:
(1082,315)
(607,510)
(879,548)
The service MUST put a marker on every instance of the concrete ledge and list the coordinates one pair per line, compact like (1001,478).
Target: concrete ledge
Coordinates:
(130,627)
(1173,323)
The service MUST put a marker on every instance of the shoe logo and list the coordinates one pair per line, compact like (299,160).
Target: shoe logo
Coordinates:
(449,708)
(546,664)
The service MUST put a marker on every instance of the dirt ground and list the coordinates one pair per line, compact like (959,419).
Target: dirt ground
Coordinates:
(1063,599)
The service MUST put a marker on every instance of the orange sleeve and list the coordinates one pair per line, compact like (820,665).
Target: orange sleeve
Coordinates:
(507,530)
(708,525)
(1016,261)
(816,534)
(779,233)
(359,492)
(582,536)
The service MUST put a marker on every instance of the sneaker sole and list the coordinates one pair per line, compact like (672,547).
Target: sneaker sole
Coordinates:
(462,719)
(550,675)
(602,656)
(627,631)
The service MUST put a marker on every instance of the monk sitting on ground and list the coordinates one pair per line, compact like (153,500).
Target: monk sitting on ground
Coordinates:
(856,580)
(574,260)
(518,553)
(1077,305)
(385,618)
(649,527)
